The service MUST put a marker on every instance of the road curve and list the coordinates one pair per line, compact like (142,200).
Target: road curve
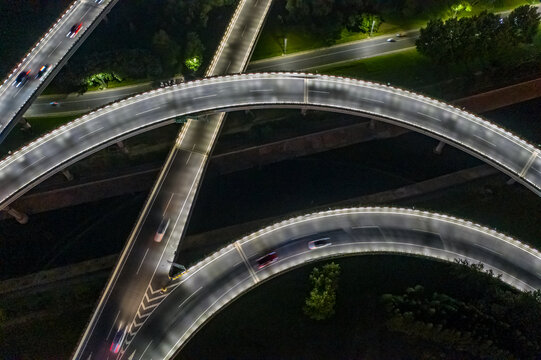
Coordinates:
(219,279)
(92,132)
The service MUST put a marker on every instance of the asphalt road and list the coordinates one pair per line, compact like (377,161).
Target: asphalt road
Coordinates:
(357,50)
(217,280)
(128,300)
(59,149)
(53,49)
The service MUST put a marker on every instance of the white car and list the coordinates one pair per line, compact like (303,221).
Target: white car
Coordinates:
(161,230)
(390,40)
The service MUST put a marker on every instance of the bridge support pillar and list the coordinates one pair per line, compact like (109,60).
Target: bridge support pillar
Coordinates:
(67,174)
(438,149)
(511,181)
(303,111)
(122,147)
(372,124)
(25,123)
(21,217)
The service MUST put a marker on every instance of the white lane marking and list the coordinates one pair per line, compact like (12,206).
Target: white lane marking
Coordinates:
(319,91)
(168,203)
(204,96)
(488,249)
(485,140)
(149,110)
(246,262)
(373,100)
(227,68)
(145,350)
(429,116)
(35,162)
(189,297)
(300,57)
(426,231)
(112,326)
(537,171)
(82,17)
(261,90)
(243,30)
(190,155)
(142,261)
(90,133)
(56,47)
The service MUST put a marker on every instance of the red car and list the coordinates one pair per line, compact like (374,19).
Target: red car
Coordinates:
(74,30)
(267,260)
(118,340)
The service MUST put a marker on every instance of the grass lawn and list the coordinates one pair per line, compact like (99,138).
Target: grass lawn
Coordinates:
(271,41)
(405,68)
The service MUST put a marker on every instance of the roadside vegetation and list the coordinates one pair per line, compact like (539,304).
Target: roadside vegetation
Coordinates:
(269,323)
(314,24)
(508,54)
(178,40)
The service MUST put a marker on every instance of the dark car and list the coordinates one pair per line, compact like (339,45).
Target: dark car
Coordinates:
(267,260)
(74,30)
(42,70)
(319,243)
(118,340)
(21,78)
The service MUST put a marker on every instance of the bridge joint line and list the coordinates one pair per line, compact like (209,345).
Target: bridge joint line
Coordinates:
(246,262)
(529,163)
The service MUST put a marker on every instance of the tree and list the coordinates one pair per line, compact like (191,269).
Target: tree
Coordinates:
(524,22)
(320,303)
(460,7)
(363,23)
(194,51)
(167,49)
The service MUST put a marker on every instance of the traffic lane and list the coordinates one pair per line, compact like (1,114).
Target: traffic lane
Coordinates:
(132,116)
(137,271)
(81,103)
(514,265)
(335,54)
(110,125)
(235,55)
(187,303)
(422,114)
(394,232)
(532,170)
(50,51)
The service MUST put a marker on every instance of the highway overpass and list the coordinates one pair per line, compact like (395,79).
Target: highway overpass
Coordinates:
(219,279)
(94,131)
(53,49)
(144,264)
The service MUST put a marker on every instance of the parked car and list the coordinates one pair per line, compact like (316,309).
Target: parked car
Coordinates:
(391,40)
(267,260)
